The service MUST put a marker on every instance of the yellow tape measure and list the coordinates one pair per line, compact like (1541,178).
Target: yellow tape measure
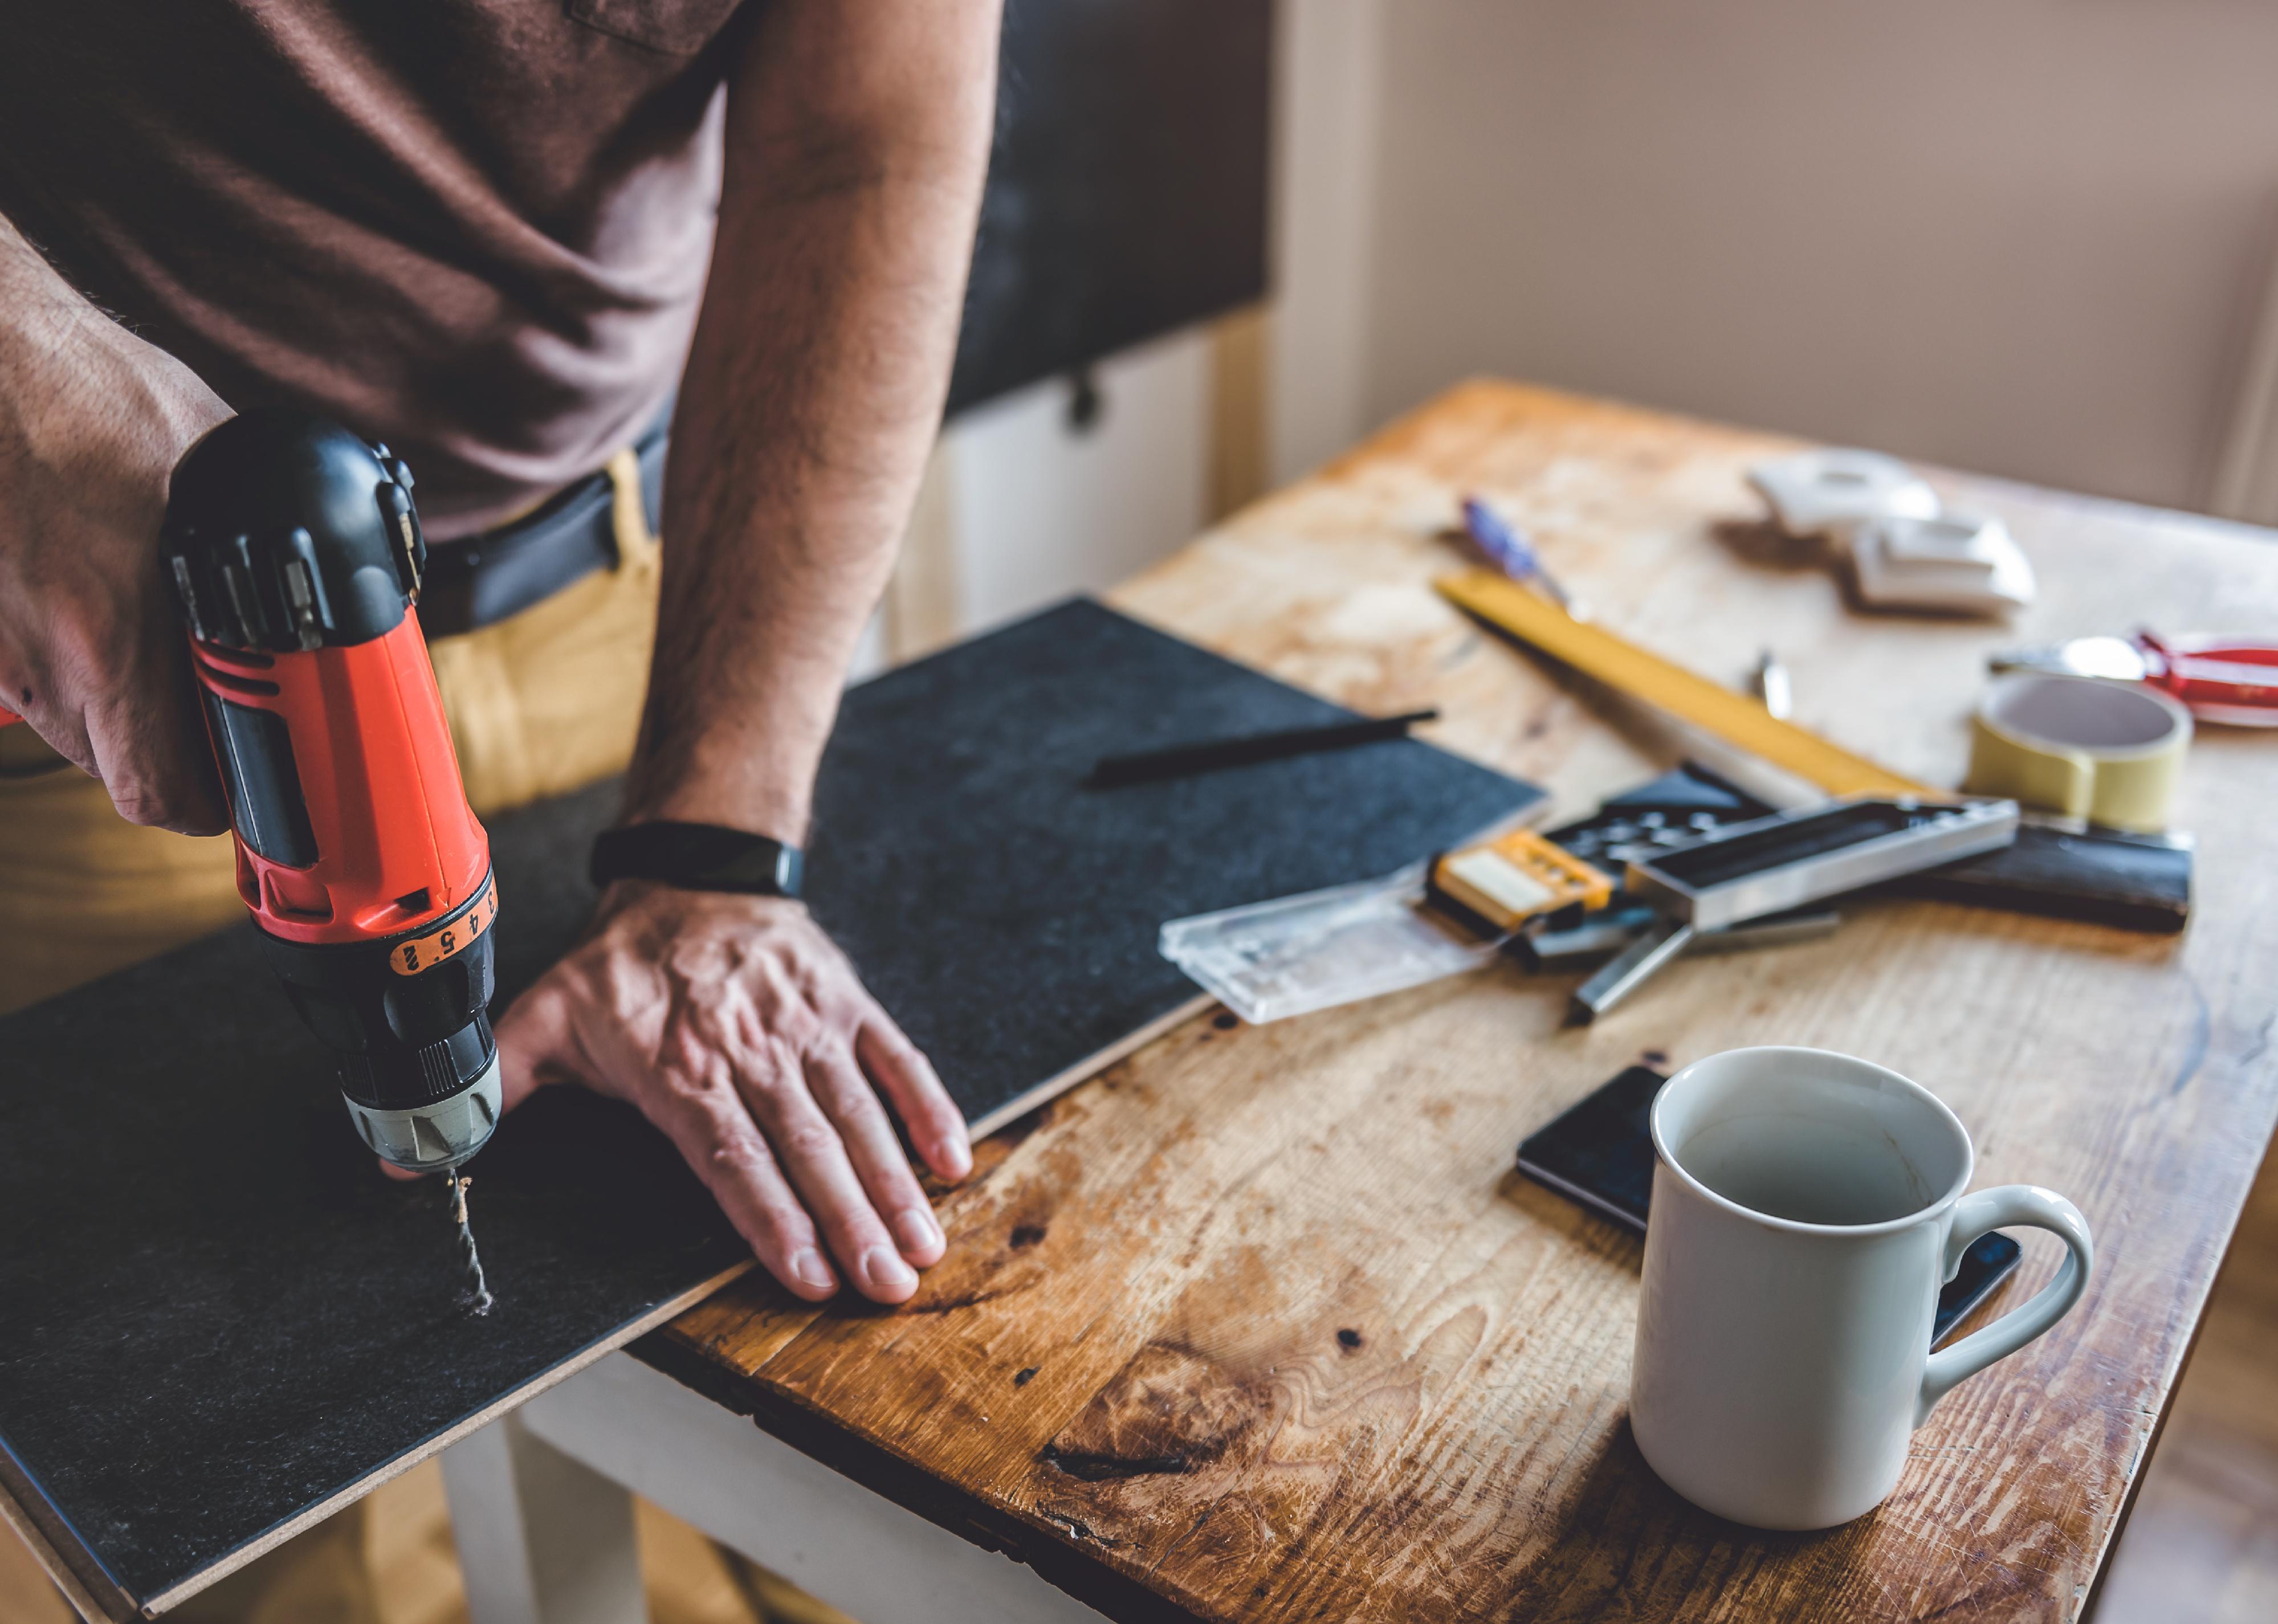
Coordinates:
(1517,877)
(1732,717)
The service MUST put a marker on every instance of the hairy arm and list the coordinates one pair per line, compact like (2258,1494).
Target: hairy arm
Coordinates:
(858,138)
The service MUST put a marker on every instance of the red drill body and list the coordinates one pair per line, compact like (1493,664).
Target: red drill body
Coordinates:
(295,556)
(390,841)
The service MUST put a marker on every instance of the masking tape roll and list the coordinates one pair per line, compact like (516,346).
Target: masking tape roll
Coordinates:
(2109,752)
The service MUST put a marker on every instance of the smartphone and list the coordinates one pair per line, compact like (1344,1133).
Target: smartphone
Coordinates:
(1601,1154)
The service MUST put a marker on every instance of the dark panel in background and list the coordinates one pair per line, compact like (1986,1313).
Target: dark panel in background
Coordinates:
(1126,187)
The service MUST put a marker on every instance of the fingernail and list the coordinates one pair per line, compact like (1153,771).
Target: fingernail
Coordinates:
(916,1230)
(884,1269)
(810,1268)
(955,1157)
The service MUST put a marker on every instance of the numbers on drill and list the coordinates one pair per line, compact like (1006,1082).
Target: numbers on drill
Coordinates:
(425,952)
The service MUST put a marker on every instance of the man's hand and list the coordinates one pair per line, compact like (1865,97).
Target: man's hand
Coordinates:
(92,421)
(742,1033)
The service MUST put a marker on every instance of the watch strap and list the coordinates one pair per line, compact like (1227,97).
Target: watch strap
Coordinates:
(697,857)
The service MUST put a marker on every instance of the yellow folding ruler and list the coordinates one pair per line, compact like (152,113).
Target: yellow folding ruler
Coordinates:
(1735,718)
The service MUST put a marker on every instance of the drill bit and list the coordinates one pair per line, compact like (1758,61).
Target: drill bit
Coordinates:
(477,1297)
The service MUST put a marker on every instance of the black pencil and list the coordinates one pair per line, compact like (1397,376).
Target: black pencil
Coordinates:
(1183,760)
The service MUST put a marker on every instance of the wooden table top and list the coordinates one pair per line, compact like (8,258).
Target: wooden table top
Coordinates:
(1260,1324)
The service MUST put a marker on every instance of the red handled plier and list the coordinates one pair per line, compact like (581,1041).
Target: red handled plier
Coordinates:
(2221,677)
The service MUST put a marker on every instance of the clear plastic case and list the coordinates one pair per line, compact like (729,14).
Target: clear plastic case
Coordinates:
(1266,961)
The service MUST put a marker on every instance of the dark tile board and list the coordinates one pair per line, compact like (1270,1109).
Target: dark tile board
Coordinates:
(1007,913)
(215,1315)
(220,1318)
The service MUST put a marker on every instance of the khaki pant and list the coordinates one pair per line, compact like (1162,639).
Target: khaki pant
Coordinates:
(539,704)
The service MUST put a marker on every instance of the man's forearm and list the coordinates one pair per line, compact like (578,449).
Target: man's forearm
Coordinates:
(37,307)
(33,298)
(857,141)
(48,330)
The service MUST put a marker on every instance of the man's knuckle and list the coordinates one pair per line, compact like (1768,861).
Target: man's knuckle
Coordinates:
(896,1047)
(784,1040)
(778,1061)
(808,1140)
(87,636)
(789,1222)
(683,1079)
(142,801)
(738,1158)
(704,1114)
(787,1030)
(857,1231)
(850,1093)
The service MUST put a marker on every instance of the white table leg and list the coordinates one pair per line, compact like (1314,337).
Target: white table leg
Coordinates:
(542,1539)
(824,1532)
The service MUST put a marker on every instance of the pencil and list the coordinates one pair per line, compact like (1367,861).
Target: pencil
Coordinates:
(1210,756)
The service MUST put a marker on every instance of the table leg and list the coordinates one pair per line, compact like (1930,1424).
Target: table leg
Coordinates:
(542,1539)
(784,1510)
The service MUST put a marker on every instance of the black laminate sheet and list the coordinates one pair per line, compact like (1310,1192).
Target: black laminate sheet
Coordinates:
(217,1314)
(1007,913)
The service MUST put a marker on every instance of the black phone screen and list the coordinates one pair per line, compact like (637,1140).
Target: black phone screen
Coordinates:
(1601,1154)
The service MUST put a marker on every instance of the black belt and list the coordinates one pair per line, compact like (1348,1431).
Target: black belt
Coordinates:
(486,578)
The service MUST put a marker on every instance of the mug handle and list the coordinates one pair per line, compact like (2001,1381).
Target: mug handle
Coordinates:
(1974,1215)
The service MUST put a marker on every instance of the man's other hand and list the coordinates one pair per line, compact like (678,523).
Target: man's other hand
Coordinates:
(741,1031)
(92,421)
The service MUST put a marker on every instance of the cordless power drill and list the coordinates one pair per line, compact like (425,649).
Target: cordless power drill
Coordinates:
(295,559)
(295,556)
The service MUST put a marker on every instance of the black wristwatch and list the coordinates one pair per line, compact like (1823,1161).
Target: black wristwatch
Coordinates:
(697,857)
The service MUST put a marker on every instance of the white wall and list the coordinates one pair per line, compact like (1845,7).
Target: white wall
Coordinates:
(1043,510)
(2027,237)
(2024,236)
(1328,77)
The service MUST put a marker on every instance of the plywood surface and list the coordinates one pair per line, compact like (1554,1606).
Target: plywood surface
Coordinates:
(1260,1325)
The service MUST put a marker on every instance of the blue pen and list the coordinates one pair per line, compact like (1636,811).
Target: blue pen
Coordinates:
(1507,547)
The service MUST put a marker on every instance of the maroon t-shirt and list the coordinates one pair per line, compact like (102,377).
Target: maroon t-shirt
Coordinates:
(476,229)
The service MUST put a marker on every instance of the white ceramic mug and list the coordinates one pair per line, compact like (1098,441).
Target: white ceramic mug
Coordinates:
(1807,1207)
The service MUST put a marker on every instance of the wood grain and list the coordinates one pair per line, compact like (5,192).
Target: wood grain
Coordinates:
(1258,1324)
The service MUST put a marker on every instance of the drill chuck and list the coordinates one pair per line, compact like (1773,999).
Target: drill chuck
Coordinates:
(410,1018)
(295,555)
